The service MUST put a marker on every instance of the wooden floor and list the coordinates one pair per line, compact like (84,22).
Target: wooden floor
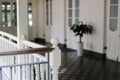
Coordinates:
(87,68)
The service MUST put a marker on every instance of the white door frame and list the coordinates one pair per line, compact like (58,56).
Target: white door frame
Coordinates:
(47,20)
(71,38)
(112,34)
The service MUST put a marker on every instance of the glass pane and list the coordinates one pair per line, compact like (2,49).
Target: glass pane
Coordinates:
(47,15)
(3,7)
(51,17)
(47,6)
(47,22)
(51,5)
(51,21)
(51,12)
(113,24)
(30,16)
(14,6)
(8,7)
(76,12)
(29,8)
(30,19)
(3,18)
(70,3)
(9,19)
(113,1)
(113,11)
(70,12)
(77,3)
(77,21)
(70,22)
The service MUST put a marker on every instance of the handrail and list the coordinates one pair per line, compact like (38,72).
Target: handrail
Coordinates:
(26,66)
(8,35)
(25,51)
(9,42)
(32,44)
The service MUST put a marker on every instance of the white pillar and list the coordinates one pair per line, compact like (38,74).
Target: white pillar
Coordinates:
(22,25)
(55,59)
(22,20)
(0,13)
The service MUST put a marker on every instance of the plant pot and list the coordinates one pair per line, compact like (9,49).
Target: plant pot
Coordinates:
(79,49)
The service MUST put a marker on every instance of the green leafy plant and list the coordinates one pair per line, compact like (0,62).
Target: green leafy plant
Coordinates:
(81,29)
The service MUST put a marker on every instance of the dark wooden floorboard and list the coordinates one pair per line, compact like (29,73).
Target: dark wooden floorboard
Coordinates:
(87,68)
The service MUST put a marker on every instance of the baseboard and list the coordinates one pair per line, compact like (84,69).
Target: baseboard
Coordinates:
(96,55)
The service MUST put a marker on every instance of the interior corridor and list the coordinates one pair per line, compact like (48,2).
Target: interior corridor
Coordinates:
(87,67)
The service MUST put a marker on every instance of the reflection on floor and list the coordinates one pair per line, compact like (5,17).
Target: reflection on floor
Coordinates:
(87,68)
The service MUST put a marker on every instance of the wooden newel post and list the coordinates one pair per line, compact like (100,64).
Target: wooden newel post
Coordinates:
(55,59)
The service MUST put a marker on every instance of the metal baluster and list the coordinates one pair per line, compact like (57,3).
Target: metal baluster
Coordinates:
(20,72)
(30,73)
(39,76)
(0,73)
(47,67)
(10,73)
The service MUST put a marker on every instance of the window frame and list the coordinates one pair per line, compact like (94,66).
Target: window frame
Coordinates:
(13,13)
(73,17)
(49,19)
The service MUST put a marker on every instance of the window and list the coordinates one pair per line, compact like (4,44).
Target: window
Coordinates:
(14,14)
(76,11)
(70,12)
(6,14)
(30,21)
(48,12)
(9,14)
(113,15)
(73,12)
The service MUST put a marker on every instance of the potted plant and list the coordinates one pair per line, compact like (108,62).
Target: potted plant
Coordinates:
(80,30)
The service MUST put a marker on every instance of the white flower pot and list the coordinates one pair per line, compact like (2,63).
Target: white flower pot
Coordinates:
(79,49)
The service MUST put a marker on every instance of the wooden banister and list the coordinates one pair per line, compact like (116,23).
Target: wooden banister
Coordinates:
(26,51)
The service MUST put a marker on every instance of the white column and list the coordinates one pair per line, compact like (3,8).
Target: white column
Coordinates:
(22,20)
(22,26)
(0,13)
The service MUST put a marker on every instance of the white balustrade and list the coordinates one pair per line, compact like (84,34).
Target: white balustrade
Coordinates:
(9,42)
(55,59)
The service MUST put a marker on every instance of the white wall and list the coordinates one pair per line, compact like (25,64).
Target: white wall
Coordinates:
(40,18)
(32,29)
(90,11)
(57,29)
(58,20)
(37,29)
(93,11)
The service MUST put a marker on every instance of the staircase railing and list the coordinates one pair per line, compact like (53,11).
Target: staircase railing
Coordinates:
(9,42)
(28,66)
